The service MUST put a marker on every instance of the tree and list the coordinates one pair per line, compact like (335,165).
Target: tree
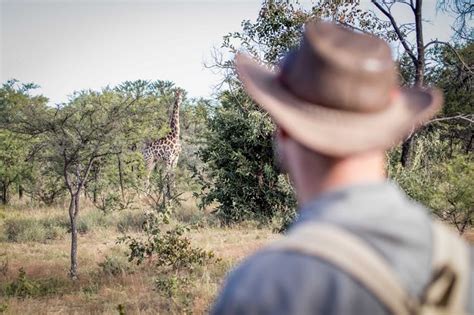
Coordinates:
(91,126)
(456,79)
(239,162)
(441,161)
(463,11)
(415,50)
(454,192)
(13,166)
(15,148)
(242,174)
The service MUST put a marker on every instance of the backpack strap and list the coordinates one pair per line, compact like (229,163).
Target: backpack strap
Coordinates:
(353,256)
(446,293)
(448,288)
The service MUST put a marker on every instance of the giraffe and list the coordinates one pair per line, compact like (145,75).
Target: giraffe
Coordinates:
(165,150)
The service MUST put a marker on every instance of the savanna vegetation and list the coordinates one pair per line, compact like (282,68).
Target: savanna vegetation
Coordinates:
(80,232)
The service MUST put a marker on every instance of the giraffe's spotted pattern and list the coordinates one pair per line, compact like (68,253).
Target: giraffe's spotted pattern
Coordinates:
(165,150)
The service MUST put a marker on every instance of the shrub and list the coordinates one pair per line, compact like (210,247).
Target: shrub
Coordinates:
(24,230)
(89,220)
(170,248)
(175,250)
(29,229)
(130,221)
(114,266)
(24,287)
(91,289)
(446,187)
(3,264)
(240,172)
(176,291)
(170,285)
(113,201)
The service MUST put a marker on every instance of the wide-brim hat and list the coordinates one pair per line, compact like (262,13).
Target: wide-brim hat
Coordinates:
(337,94)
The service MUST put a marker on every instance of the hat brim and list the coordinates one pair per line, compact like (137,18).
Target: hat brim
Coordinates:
(331,131)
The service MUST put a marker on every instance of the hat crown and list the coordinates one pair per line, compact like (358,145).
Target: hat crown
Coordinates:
(336,67)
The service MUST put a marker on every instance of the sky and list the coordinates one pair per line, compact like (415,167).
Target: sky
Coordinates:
(68,45)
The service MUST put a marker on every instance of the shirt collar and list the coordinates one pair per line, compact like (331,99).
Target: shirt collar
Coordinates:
(356,195)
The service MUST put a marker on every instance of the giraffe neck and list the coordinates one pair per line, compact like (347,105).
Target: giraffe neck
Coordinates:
(174,122)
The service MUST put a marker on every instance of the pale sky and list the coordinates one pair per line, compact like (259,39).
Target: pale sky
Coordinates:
(68,45)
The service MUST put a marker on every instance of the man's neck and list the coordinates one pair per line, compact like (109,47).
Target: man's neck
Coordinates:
(347,172)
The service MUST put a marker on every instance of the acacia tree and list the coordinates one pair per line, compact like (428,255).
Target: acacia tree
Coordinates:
(13,166)
(15,147)
(92,125)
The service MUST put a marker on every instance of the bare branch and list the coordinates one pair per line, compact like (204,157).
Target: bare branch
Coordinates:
(397,31)
(468,118)
(354,28)
(454,50)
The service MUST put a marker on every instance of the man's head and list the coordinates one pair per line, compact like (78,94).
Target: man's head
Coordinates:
(313,173)
(337,105)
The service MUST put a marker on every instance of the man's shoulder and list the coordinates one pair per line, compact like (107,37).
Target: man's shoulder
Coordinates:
(280,282)
(277,265)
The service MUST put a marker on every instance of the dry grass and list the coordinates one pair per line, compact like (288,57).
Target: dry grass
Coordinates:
(98,293)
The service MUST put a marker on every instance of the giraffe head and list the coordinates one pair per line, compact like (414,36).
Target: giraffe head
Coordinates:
(178,95)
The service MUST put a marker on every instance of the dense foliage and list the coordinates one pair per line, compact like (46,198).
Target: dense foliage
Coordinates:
(240,172)
(239,159)
(90,146)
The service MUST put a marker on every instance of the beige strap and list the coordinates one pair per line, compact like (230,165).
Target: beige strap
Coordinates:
(450,265)
(352,255)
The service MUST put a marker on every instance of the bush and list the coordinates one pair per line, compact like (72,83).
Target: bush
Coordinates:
(170,285)
(171,248)
(29,229)
(443,184)
(88,220)
(4,266)
(240,172)
(24,287)
(130,221)
(114,266)
(24,230)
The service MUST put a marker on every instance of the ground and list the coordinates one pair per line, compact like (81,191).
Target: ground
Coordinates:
(108,283)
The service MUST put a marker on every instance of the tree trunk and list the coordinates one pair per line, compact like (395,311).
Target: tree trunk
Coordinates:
(405,158)
(469,145)
(20,192)
(5,195)
(73,212)
(407,146)
(119,158)
(94,195)
(420,46)
(2,197)
(96,178)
